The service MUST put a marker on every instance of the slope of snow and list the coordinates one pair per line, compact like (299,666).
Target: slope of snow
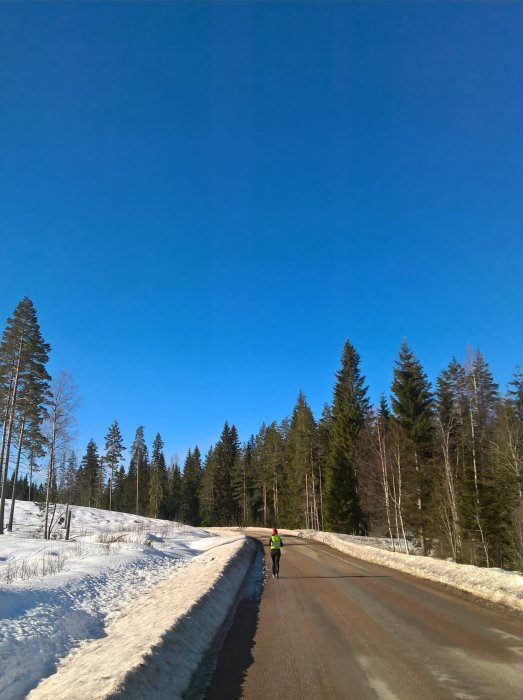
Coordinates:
(112,560)
(154,647)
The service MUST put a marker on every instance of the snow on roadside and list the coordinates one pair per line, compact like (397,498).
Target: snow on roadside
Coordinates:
(503,587)
(153,648)
(89,581)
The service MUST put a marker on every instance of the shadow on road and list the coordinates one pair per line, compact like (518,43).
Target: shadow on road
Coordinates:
(235,655)
(347,576)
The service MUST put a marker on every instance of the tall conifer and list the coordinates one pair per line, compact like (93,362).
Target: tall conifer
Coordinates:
(349,409)
(24,381)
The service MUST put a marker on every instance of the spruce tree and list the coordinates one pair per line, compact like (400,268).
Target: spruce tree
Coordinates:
(113,455)
(300,499)
(157,479)
(207,498)
(349,410)
(191,478)
(173,499)
(412,406)
(90,477)
(137,482)
(24,381)
(450,411)
(226,453)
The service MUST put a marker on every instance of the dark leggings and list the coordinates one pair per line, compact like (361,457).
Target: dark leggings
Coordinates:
(275,554)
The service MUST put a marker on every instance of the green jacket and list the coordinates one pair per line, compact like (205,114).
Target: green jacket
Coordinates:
(276,542)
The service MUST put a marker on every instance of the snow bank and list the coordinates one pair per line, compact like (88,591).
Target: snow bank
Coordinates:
(155,645)
(495,585)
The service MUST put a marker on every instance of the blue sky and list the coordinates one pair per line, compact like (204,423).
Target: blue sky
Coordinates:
(204,200)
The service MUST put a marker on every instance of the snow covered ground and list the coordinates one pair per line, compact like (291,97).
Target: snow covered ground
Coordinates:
(87,594)
(140,600)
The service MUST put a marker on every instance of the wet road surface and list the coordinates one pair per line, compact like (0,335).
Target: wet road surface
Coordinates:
(336,627)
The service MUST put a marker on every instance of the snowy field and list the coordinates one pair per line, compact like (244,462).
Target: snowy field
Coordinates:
(58,596)
(140,600)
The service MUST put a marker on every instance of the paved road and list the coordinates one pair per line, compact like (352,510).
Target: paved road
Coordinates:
(336,627)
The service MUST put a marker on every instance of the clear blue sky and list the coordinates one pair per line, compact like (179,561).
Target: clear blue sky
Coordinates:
(203,200)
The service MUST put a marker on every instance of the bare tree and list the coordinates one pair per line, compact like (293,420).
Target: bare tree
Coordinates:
(59,425)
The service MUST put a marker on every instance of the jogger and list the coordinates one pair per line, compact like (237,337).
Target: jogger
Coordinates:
(276,545)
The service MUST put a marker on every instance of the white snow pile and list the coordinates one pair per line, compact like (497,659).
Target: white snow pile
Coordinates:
(122,591)
(504,587)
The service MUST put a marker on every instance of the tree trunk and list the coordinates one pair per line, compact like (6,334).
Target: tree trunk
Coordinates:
(15,477)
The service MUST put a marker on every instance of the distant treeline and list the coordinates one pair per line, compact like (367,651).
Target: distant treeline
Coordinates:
(438,467)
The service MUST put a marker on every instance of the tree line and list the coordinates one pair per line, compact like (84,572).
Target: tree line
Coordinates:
(436,467)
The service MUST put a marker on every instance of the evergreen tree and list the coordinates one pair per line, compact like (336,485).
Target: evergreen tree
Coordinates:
(113,455)
(226,453)
(450,411)
(482,399)
(173,501)
(349,410)
(269,456)
(242,482)
(300,503)
(90,477)
(137,482)
(207,497)
(515,393)
(412,406)
(120,478)
(24,382)
(190,500)
(157,480)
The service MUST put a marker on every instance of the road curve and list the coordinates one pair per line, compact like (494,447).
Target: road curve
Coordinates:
(335,627)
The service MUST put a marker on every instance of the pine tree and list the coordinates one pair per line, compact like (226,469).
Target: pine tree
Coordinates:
(412,406)
(113,455)
(24,381)
(349,410)
(157,479)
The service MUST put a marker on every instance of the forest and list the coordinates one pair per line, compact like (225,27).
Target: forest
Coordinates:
(436,468)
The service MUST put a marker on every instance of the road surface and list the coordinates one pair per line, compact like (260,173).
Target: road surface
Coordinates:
(336,627)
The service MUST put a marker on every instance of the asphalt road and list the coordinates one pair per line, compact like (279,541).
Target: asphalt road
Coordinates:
(336,627)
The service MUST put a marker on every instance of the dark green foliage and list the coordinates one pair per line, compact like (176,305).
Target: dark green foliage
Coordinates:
(412,407)
(191,480)
(136,490)
(113,455)
(173,496)
(299,502)
(90,477)
(349,410)
(226,453)
(157,480)
(24,388)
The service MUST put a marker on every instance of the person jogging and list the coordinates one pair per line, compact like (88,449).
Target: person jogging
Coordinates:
(276,545)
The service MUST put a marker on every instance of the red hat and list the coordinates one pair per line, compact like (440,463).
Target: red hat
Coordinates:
(274,531)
